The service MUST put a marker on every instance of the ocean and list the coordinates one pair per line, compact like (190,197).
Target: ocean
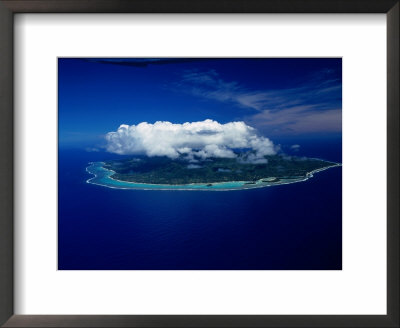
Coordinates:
(286,227)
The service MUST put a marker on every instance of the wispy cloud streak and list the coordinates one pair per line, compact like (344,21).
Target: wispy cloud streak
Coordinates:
(312,105)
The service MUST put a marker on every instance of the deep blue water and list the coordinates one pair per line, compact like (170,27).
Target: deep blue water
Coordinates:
(287,227)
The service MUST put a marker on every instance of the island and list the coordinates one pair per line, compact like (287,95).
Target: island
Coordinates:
(161,172)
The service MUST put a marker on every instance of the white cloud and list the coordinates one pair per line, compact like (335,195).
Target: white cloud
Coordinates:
(194,166)
(92,149)
(195,141)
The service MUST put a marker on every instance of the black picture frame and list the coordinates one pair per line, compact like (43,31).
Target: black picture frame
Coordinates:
(10,7)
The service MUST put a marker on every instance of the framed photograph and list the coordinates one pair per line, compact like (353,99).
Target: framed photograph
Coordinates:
(203,164)
(207,130)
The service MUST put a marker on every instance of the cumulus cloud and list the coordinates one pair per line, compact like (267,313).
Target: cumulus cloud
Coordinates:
(194,141)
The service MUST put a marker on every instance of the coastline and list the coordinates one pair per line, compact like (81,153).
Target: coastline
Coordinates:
(217,186)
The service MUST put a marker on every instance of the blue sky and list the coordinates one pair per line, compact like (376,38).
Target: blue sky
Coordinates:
(280,98)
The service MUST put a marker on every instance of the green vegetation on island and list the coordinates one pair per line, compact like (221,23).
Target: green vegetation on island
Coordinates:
(163,170)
